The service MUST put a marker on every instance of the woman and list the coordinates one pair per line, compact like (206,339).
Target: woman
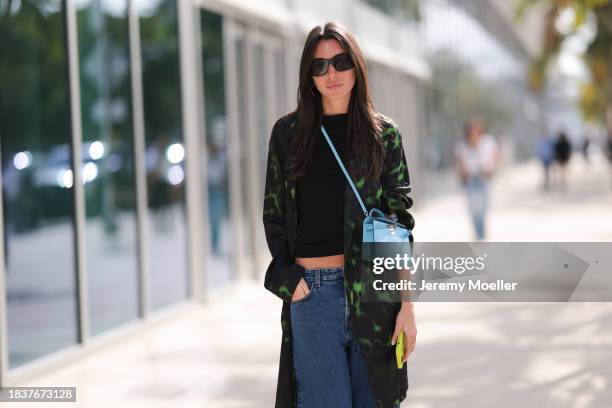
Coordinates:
(477,158)
(337,351)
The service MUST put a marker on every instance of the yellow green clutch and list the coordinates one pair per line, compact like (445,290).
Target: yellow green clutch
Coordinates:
(399,350)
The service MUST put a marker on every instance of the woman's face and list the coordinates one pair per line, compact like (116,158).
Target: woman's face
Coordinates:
(476,131)
(334,84)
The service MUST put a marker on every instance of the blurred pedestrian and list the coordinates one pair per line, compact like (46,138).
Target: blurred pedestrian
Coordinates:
(217,192)
(609,154)
(586,144)
(546,154)
(563,152)
(477,158)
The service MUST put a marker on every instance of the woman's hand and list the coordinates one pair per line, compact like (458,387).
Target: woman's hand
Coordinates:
(405,321)
(301,291)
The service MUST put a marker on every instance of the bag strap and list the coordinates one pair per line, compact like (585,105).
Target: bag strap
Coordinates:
(339,160)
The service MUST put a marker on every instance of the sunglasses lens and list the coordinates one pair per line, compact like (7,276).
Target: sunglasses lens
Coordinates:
(343,62)
(319,67)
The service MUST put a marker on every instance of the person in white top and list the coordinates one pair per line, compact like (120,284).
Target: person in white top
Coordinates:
(477,158)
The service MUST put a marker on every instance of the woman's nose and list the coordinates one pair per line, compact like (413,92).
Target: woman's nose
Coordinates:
(331,71)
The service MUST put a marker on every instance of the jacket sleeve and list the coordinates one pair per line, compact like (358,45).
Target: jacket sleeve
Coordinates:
(395,180)
(282,275)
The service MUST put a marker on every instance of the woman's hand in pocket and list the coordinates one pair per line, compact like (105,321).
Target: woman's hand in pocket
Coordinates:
(300,291)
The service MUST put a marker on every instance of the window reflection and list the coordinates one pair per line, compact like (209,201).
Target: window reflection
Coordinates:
(216,148)
(108,163)
(165,151)
(37,180)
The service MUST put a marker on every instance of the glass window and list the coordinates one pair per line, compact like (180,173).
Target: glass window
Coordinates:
(216,145)
(108,163)
(165,151)
(37,180)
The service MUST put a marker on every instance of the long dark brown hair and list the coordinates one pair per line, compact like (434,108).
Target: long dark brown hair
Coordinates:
(364,123)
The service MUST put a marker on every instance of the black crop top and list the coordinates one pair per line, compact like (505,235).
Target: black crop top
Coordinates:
(320,192)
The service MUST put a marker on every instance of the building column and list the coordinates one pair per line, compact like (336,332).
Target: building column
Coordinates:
(195,158)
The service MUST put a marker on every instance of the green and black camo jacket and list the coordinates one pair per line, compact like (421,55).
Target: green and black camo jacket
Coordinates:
(373,322)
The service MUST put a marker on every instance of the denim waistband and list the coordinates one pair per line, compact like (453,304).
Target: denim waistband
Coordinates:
(319,275)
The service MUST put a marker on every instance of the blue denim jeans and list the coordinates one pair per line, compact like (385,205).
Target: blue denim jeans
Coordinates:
(478,201)
(330,370)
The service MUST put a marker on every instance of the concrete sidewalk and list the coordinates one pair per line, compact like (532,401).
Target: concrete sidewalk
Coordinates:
(225,354)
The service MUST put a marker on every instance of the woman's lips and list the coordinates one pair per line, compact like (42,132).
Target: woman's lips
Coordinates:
(334,86)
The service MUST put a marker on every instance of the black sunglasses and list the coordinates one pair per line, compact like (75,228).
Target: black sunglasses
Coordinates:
(341,62)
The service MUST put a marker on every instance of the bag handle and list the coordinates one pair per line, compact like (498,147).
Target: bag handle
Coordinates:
(339,160)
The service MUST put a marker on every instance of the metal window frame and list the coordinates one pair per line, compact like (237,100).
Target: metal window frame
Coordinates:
(241,31)
(195,164)
(3,292)
(74,92)
(251,40)
(140,174)
(237,196)
(204,246)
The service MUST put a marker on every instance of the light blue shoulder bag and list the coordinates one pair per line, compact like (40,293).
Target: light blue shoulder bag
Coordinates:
(376,227)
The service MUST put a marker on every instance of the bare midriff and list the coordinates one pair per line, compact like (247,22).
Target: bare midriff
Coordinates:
(331,261)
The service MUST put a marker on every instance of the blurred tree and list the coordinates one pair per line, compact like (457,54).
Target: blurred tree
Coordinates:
(596,95)
(472,94)
(161,71)
(406,9)
(32,61)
